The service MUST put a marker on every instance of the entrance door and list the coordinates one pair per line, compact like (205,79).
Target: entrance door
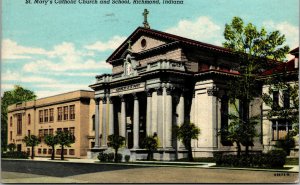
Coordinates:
(19,147)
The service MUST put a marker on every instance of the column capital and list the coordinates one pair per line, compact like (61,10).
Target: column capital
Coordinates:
(104,100)
(135,96)
(149,92)
(97,100)
(159,91)
(122,98)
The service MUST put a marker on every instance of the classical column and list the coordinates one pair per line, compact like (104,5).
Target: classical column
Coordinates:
(180,113)
(104,134)
(136,122)
(96,123)
(111,116)
(160,117)
(123,118)
(168,126)
(149,110)
(180,110)
(154,113)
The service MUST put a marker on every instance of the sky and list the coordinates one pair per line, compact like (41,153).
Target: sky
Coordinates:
(56,48)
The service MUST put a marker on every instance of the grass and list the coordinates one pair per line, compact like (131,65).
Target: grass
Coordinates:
(199,159)
(292,161)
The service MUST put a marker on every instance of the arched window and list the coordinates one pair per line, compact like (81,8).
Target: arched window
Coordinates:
(29,119)
(11,121)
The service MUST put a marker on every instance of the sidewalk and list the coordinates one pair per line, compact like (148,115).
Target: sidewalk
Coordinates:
(293,168)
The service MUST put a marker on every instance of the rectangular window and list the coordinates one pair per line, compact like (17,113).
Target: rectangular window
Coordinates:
(72,130)
(11,121)
(39,151)
(51,132)
(58,129)
(280,129)
(10,135)
(66,129)
(93,119)
(58,151)
(41,133)
(65,152)
(41,116)
(286,99)
(45,132)
(51,118)
(275,99)
(28,132)
(72,111)
(59,113)
(29,119)
(71,152)
(28,151)
(66,113)
(19,124)
(49,151)
(46,115)
(45,151)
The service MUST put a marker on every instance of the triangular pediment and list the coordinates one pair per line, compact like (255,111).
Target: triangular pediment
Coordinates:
(143,39)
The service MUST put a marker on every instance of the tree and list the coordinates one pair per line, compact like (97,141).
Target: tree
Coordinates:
(64,138)
(11,147)
(18,94)
(256,51)
(32,141)
(51,141)
(116,142)
(150,143)
(186,132)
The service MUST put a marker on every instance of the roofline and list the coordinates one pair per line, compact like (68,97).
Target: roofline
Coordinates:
(170,36)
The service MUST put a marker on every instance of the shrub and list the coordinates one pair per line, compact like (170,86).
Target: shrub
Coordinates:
(127,158)
(277,158)
(103,157)
(110,157)
(15,155)
(11,147)
(119,157)
(272,159)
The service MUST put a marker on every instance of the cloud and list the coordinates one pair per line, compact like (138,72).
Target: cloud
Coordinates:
(17,77)
(111,44)
(202,29)
(12,50)
(290,31)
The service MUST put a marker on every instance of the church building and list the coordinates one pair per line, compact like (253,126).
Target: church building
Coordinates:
(160,80)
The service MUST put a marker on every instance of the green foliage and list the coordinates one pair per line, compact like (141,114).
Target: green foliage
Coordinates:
(18,94)
(103,157)
(272,159)
(287,144)
(32,141)
(150,143)
(186,132)
(119,157)
(116,141)
(64,138)
(127,158)
(110,157)
(15,155)
(278,83)
(51,141)
(11,147)
(257,51)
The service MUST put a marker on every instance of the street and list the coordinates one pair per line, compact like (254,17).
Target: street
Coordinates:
(55,172)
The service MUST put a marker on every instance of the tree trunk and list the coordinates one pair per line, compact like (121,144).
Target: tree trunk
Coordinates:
(190,154)
(116,155)
(32,152)
(62,152)
(245,118)
(239,149)
(52,153)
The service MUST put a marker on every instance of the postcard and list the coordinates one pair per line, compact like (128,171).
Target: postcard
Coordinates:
(149,91)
